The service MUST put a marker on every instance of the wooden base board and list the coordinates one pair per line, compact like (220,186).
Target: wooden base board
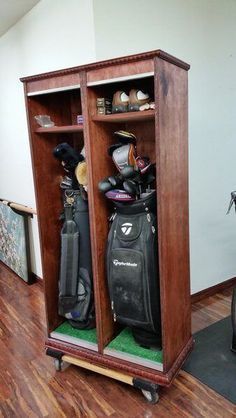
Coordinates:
(118,365)
(210,291)
(37,278)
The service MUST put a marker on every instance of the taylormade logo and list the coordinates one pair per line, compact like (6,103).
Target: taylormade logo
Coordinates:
(121,263)
(126,228)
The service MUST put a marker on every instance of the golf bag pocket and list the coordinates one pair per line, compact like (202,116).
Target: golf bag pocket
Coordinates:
(132,266)
(128,287)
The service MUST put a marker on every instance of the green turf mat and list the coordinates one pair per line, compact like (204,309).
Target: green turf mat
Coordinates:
(83,334)
(125,343)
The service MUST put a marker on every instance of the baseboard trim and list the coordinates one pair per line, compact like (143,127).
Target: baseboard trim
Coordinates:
(32,277)
(210,291)
(37,279)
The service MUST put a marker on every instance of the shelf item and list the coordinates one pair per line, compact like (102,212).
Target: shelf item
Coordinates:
(60,129)
(162,135)
(126,117)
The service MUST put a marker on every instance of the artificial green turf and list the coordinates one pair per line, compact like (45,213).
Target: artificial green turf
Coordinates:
(125,343)
(83,334)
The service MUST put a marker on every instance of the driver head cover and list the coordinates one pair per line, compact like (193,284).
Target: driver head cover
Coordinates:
(125,137)
(81,173)
(124,156)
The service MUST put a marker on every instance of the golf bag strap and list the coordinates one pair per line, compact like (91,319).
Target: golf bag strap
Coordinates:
(69,259)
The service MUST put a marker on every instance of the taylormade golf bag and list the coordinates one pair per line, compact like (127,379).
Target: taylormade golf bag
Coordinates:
(75,283)
(132,269)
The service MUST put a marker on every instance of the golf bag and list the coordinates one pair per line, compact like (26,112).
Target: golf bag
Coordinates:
(132,269)
(233,318)
(75,284)
(233,302)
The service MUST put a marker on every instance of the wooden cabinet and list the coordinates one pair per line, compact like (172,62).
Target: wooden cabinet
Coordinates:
(162,135)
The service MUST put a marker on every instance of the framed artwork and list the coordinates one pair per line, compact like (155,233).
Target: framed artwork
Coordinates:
(14,241)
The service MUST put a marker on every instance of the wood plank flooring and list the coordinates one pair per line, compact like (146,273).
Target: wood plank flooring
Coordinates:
(30,386)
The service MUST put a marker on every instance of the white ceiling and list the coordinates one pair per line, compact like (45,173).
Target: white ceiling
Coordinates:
(13,10)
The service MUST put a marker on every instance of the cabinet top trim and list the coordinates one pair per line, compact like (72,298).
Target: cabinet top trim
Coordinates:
(116,61)
(53,90)
(118,79)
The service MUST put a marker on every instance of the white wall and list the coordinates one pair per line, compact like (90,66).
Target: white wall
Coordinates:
(54,34)
(203,33)
(60,33)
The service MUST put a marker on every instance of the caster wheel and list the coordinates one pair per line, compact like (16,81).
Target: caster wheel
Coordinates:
(151,397)
(58,364)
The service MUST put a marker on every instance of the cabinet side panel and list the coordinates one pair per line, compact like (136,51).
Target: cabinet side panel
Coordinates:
(171,90)
(47,174)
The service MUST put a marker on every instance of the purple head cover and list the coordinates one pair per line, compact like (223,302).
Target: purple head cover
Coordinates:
(119,195)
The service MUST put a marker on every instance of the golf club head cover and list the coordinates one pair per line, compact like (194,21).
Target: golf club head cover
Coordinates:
(104,185)
(129,172)
(118,195)
(125,137)
(124,155)
(116,181)
(143,164)
(113,147)
(131,187)
(68,156)
(81,173)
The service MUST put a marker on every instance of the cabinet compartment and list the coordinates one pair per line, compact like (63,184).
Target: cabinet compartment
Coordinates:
(100,166)
(63,107)
(48,174)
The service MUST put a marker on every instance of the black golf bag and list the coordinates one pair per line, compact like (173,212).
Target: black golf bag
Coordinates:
(233,318)
(233,302)
(76,302)
(132,268)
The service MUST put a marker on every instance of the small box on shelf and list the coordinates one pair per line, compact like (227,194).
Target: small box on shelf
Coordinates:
(104,106)
(79,119)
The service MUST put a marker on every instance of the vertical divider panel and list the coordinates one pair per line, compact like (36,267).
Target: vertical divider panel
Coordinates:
(171,91)
(97,140)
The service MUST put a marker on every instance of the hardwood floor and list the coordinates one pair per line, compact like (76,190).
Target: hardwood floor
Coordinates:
(30,386)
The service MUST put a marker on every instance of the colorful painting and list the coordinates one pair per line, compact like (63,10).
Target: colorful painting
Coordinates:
(13,241)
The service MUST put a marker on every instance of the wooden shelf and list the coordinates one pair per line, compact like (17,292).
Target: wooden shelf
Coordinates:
(126,117)
(58,129)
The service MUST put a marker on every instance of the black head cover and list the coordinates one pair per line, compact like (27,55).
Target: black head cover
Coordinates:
(125,137)
(113,147)
(68,155)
